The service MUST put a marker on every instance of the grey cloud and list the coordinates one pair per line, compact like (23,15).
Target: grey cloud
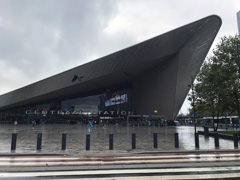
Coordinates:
(42,37)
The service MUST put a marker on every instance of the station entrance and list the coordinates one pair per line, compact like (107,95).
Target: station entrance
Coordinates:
(146,120)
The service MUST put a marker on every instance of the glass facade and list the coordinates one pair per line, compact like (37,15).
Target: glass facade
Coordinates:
(110,106)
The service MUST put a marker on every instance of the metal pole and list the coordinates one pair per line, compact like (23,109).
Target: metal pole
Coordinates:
(88,142)
(110,141)
(235,140)
(226,124)
(238,63)
(133,141)
(176,140)
(155,140)
(39,141)
(14,141)
(238,59)
(64,138)
(206,132)
(196,140)
(193,96)
(216,139)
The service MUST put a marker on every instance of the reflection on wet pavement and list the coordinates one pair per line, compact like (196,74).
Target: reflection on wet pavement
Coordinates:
(76,138)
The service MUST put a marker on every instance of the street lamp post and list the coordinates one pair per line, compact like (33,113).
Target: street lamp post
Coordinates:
(237,60)
(194,120)
(193,104)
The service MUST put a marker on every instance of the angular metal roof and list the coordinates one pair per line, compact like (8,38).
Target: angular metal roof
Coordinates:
(188,44)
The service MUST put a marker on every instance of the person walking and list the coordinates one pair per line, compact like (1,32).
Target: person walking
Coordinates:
(33,123)
(89,126)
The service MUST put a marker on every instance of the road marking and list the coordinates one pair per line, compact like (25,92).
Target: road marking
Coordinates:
(173,177)
(49,158)
(118,172)
(102,162)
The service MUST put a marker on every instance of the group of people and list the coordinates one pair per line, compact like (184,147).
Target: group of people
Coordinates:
(89,125)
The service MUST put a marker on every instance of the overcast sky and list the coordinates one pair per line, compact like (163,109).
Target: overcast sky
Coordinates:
(40,38)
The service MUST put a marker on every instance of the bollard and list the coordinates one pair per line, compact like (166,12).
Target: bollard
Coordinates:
(155,143)
(206,132)
(64,138)
(176,140)
(196,141)
(39,141)
(133,141)
(14,142)
(235,139)
(110,141)
(216,139)
(88,142)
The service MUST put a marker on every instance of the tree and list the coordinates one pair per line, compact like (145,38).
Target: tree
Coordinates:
(217,88)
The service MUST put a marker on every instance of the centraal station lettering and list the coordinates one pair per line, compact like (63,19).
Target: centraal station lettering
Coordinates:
(54,112)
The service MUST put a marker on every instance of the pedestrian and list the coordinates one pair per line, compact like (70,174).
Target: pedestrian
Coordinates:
(148,123)
(33,123)
(89,126)
(101,123)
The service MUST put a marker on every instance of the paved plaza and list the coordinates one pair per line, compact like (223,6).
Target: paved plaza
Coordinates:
(76,138)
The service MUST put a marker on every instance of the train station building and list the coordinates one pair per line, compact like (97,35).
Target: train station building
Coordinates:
(149,79)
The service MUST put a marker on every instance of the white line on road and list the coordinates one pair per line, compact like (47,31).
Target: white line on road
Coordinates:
(118,172)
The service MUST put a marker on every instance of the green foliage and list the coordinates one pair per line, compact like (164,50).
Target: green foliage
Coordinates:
(217,87)
(228,132)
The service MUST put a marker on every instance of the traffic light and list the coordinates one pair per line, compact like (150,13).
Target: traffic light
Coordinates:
(228,114)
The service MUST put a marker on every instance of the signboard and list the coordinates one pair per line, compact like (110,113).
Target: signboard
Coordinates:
(146,115)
